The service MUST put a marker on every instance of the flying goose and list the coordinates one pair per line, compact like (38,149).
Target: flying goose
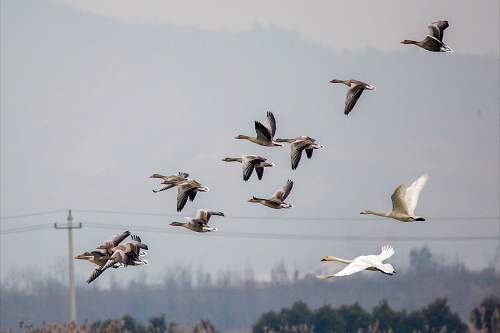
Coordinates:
(188,189)
(250,162)
(277,200)
(372,263)
(434,40)
(404,202)
(170,181)
(298,145)
(200,222)
(135,246)
(113,241)
(98,258)
(121,256)
(265,133)
(94,257)
(353,93)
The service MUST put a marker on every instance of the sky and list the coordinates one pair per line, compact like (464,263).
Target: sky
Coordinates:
(97,96)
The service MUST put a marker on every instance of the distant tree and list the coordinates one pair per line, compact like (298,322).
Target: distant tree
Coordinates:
(388,318)
(157,324)
(127,322)
(438,314)
(203,326)
(266,322)
(328,320)
(486,316)
(175,327)
(297,315)
(421,259)
(109,325)
(131,324)
(279,274)
(355,317)
(415,322)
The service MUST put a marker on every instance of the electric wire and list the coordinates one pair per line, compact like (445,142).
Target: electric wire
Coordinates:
(32,214)
(26,229)
(443,218)
(295,237)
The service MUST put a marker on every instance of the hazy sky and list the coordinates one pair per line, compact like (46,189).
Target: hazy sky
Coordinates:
(338,25)
(97,96)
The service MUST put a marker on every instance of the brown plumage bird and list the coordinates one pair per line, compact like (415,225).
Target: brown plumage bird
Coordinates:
(200,222)
(298,145)
(265,133)
(250,162)
(277,201)
(188,189)
(355,90)
(170,181)
(434,40)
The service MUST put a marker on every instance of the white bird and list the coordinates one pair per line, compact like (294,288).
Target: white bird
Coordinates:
(372,263)
(404,202)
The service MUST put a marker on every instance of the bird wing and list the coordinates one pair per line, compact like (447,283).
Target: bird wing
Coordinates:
(354,267)
(183,191)
(247,164)
(436,29)
(166,187)
(387,252)
(353,94)
(270,123)
(433,42)
(202,215)
(137,241)
(324,276)
(211,212)
(96,271)
(260,172)
(413,192)
(263,133)
(296,149)
(195,222)
(398,200)
(116,239)
(282,193)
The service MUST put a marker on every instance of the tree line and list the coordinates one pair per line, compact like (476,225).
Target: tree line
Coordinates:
(435,317)
(234,300)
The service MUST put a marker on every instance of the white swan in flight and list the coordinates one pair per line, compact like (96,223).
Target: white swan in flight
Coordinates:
(404,202)
(372,263)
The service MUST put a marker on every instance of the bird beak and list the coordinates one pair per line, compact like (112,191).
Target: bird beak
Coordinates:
(323,259)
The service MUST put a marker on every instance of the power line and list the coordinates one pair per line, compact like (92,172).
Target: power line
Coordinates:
(291,218)
(26,229)
(296,237)
(264,235)
(284,218)
(32,214)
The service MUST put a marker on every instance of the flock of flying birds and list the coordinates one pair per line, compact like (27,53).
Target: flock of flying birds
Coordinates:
(112,254)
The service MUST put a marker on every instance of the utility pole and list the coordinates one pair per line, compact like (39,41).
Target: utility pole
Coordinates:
(72,292)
